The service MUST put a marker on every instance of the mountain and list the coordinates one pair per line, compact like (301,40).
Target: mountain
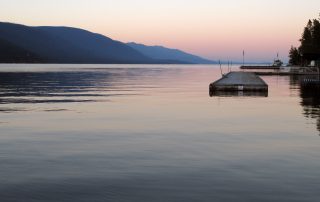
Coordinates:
(44,44)
(163,53)
(69,45)
(10,53)
(100,48)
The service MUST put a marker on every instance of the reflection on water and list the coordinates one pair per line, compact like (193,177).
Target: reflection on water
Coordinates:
(310,97)
(311,103)
(71,85)
(152,133)
(41,87)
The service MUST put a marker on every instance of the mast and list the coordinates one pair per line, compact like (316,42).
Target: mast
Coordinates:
(243,58)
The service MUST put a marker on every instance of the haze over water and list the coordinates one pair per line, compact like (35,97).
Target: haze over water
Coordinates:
(153,133)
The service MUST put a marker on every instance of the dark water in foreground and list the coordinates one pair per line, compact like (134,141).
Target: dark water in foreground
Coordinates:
(152,133)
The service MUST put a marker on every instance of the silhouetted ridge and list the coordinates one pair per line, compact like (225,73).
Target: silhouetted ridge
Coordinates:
(24,44)
(10,53)
(163,53)
(95,45)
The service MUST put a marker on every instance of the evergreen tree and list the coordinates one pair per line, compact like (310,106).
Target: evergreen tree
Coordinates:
(310,45)
(316,35)
(294,55)
(307,39)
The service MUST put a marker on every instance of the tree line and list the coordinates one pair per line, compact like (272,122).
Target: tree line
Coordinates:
(309,49)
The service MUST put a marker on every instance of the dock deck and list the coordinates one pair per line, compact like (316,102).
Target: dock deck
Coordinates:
(239,81)
(261,67)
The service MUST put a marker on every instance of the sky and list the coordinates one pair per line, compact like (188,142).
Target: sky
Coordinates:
(213,29)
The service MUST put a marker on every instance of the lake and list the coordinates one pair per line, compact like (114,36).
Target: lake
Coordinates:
(132,133)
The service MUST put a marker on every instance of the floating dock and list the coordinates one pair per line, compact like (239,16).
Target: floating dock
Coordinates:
(239,94)
(238,81)
(279,73)
(260,67)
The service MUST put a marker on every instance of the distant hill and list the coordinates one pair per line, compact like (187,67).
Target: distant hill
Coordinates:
(163,53)
(100,47)
(24,44)
(10,53)
(69,45)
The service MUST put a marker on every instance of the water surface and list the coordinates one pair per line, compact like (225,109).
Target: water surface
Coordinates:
(153,133)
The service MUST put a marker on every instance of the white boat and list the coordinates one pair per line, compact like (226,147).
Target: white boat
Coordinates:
(277,63)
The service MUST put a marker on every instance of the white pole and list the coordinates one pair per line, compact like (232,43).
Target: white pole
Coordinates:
(243,58)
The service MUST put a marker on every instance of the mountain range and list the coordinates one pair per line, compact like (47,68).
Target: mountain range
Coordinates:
(163,53)
(44,44)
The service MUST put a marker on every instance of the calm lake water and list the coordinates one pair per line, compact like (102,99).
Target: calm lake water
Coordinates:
(133,133)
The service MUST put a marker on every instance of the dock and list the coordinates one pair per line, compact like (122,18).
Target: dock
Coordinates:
(261,67)
(279,73)
(238,81)
(239,94)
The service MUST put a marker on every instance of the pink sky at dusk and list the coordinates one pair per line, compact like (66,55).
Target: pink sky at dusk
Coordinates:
(209,28)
